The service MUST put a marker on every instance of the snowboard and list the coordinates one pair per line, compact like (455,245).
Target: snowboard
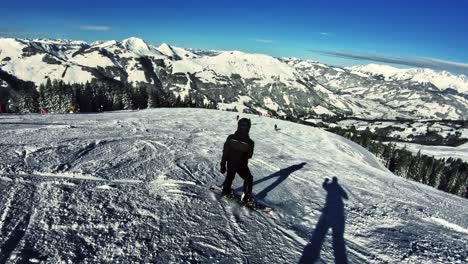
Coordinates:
(256,206)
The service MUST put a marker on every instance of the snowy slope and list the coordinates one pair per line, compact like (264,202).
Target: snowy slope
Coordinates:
(133,187)
(441,79)
(439,152)
(27,61)
(176,52)
(139,47)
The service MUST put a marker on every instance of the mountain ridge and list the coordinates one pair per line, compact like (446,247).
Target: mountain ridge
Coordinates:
(233,80)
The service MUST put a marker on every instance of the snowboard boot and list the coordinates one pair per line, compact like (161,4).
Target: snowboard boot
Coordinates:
(228,193)
(248,200)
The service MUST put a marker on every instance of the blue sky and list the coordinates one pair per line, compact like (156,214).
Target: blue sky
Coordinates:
(411,32)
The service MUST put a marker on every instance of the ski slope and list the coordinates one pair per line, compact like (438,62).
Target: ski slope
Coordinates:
(132,187)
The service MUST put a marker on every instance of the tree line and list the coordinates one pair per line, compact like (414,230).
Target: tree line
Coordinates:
(96,96)
(449,175)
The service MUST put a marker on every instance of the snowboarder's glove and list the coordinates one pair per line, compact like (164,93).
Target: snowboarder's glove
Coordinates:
(223,167)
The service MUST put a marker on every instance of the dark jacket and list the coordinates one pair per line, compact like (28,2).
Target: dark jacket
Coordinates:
(237,151)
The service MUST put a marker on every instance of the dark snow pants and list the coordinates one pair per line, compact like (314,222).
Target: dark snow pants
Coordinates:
(245,174)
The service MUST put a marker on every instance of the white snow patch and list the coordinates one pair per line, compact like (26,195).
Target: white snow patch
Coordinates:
(93,59)
(135,73)
(270,104)
(449,225)
(320,110)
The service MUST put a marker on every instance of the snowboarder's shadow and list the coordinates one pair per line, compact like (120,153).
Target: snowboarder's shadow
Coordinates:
(332,217)
(281,175)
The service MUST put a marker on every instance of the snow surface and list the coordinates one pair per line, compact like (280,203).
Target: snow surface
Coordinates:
(172,51)
(439,152)
(32,68)
(139,47)
(135,72)
(239,105)
(10,48)
(132,186)
(92,59)
(236,62)
(441,79)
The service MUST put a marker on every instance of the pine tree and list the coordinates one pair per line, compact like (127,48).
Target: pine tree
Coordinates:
(403,162)
(459,182)
(42,97)
(153,99)
(414,168)
(436,171)
(387,153)
(426,164)
(392,163)
(127,100)
(448,173)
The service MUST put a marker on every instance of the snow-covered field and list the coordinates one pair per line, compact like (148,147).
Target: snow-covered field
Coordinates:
(439,152)
(127,187)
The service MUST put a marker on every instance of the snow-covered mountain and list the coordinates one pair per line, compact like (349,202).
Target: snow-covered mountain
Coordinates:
(133,187)
(441,79)
(254,83)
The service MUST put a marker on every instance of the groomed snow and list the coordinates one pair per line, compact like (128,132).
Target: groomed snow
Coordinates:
(132,186)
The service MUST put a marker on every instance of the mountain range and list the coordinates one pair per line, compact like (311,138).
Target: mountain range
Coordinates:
(235,80)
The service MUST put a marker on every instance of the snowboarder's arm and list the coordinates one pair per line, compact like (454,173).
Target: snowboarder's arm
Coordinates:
(251,150)
(325,184)
(226,149)
(225,155)
(344,194)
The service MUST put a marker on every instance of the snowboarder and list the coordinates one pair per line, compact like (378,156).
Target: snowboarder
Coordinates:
(276,127)
(237,151)
(237,117)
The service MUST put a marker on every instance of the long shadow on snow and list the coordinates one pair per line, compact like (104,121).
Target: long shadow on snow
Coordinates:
(281,175)
(333,217)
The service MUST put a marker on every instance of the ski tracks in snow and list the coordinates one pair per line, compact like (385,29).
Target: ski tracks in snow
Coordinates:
(133,187)
(15,221)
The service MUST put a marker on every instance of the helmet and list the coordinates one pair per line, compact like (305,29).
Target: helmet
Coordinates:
(243,125)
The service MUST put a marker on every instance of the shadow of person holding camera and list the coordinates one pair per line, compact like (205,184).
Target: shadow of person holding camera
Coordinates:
(333,217)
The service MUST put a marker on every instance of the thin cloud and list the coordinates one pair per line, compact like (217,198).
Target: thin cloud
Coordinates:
(420,62)
(263,40)
(95,28)
(327,34)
